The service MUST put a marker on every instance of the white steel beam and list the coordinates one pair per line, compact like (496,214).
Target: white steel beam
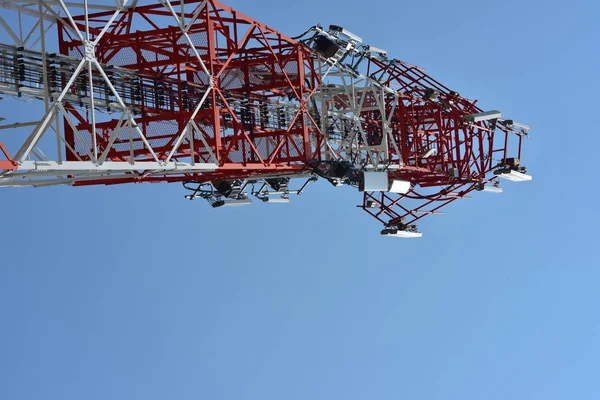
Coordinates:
(108,166)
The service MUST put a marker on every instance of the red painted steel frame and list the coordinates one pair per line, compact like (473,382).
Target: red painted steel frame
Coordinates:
(9,164)
(465,154)
(248,61)
(255,68)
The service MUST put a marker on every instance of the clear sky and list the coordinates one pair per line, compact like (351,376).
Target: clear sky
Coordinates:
(131,292)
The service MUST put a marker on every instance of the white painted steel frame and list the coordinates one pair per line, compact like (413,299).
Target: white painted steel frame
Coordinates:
(33,164)
(356,86)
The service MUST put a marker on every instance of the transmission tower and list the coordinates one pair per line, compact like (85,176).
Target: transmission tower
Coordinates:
(195,92)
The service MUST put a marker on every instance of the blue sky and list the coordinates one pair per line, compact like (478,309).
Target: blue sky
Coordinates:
(131,292)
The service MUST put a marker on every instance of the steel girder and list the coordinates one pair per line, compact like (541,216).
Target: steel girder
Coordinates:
(194,91)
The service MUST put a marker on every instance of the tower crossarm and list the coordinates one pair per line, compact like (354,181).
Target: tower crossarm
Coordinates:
(193,91)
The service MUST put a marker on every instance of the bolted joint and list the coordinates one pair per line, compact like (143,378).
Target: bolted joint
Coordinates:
(90,50)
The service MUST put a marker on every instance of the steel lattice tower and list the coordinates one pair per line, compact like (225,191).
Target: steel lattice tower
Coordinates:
(193,91)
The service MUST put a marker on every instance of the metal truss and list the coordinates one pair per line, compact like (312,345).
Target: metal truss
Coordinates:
(193,91)
(54,79)
(389,115)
